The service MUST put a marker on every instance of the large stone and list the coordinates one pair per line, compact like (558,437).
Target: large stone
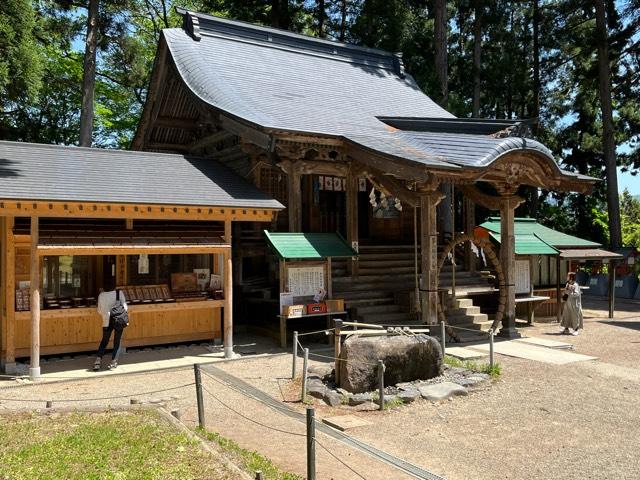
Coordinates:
(406,358)
(359,399)
(441,391)
(409,396)
(332,398)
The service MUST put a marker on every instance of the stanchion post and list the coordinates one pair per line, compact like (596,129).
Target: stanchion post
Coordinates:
(259,475)
(381,384)
(491,348)
(196,371)
(294,360)
(305,364)
(311,444)
(337,348)
(443,337)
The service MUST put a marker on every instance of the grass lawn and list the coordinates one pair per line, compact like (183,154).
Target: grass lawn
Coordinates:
(111,445)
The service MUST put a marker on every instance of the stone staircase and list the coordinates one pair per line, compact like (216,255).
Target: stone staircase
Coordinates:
(383,291)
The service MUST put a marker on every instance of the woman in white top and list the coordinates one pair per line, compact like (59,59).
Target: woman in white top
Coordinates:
(106,301)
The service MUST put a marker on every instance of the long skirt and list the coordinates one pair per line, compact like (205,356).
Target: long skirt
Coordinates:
(572,313)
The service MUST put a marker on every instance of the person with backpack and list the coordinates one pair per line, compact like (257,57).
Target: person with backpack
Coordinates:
(112,306)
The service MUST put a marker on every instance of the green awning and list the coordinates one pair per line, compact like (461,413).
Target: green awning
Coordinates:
(527,244)
(309,245)
(528,226)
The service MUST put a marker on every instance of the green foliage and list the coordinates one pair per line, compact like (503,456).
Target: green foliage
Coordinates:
(251,460)
(494,371)
(630,215)
(82,446)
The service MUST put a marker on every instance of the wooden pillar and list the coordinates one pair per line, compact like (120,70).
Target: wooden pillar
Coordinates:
(469,225)
(429,257)
(352,220)
(507,259)
(295,199)
(612,288)
(228,306)
(228,293)
(558,293)
(9,295)
(34,284)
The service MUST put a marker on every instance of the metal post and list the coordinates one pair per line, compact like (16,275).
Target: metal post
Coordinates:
(381,384)
(311,444)
(305,363)
(294,360)
(196,371)
(491,348)
(443,340)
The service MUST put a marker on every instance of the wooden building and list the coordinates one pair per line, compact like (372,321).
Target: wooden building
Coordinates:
(74,221)
(332,130)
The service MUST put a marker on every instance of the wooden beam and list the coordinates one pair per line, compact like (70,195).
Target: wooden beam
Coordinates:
(294,205)
(212,139)
(34,284)
(390,184)
(176,122)
(173,147)
(178,249)
(29,208)
(507,259)
(246,132)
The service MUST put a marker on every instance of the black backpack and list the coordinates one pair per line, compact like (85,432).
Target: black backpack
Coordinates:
(118,314)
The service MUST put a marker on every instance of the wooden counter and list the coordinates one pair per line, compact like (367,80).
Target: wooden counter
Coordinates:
(80,329)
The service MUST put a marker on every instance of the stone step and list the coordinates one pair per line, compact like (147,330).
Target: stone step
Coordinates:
(471,318)
(463,311)
(372,309)
(366,294)
(484,326)
(389,286)
(384,318)
(366,302)
(460,303)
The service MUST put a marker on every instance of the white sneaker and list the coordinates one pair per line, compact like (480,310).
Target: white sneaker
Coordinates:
(575,333)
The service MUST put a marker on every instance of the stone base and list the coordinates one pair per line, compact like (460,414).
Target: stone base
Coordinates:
(509,332)
(10,368)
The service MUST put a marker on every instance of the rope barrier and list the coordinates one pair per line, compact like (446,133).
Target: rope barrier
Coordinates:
(93,399)
(251,419)
(480,332)
(57,377)
(338,459)
(326,331)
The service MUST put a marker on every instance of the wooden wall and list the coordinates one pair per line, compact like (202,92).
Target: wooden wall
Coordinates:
(80,329)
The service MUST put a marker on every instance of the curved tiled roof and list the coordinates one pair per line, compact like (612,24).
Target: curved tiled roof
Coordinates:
(281,81)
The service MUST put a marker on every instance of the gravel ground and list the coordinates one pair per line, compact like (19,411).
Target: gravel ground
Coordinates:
(575,421)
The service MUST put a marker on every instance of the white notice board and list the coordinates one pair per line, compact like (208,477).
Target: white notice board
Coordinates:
(305,281)
(523,277)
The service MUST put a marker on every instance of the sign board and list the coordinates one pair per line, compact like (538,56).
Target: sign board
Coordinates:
(305,281)
(523,277)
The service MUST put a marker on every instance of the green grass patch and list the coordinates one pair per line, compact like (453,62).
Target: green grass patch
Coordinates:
(136,444)
(250,460)
(395,402)
(494,371)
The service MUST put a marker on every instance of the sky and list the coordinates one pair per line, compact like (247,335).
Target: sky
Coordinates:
(626,180)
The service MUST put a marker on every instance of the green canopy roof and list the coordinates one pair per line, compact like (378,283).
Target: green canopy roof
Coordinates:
(529,245)
(528,226)
(309,245)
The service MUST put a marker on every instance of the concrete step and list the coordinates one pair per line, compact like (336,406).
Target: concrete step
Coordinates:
(459,303)
(484,326)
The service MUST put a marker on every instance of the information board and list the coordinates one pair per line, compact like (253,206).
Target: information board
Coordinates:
(523,277)
(305,281)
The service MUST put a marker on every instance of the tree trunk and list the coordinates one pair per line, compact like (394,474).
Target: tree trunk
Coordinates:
(343,20)
(89,75)
(608,140)
(534,205)
(440,40)
(321,18)
(275,13)
(477,57)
